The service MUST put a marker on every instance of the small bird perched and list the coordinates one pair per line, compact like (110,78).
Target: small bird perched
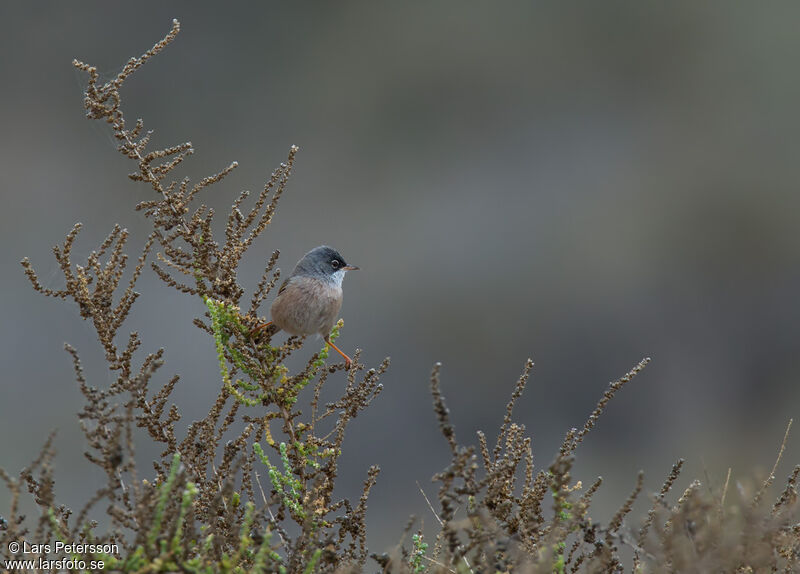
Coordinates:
(309,299)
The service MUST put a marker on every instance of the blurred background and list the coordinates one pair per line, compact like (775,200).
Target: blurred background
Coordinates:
(579,183)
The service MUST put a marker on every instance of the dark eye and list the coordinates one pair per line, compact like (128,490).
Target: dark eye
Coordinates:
(335,264)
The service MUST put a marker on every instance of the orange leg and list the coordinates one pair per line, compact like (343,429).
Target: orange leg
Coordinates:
(347,360)
(260,327)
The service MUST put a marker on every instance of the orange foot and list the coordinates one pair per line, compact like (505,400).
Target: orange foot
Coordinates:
(347,360)
(258,328)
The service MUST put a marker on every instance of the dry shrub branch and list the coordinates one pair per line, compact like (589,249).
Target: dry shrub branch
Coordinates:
(498,513)
(262,499)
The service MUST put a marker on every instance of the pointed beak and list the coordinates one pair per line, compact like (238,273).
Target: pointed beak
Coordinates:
(350,268)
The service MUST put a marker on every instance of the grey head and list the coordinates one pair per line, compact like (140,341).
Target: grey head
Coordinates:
(323,262)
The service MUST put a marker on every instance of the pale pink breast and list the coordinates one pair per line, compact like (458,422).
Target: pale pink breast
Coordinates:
(307,306)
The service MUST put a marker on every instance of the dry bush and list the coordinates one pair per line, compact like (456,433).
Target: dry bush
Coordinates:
(496,513)
(204,504)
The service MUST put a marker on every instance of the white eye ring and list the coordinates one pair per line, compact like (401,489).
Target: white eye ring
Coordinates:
(335,264)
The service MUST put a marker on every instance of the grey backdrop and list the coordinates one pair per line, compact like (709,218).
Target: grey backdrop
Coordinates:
(582,183)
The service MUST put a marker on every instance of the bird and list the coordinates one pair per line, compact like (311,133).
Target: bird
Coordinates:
(309,300)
